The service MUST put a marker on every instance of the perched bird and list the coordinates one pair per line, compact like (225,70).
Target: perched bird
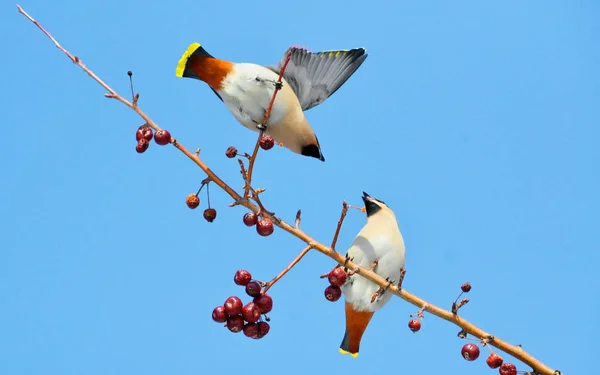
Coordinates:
(379,246)
(246,89)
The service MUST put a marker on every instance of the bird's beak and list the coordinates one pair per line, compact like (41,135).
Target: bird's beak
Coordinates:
(366,197)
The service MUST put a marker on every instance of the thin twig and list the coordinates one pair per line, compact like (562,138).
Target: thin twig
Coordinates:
(264,123)
(288,268)
(339,224)
(468,327)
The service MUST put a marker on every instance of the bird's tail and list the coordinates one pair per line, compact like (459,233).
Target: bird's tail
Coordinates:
(183,70)
(356,323)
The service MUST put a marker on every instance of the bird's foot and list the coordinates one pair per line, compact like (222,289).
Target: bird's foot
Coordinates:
(348,259)
(374,264)
(262,127)
(379,293)
(402,273)
(278,85)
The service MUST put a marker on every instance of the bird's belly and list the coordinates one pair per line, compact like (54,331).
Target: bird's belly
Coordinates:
(248,92)
(359,290)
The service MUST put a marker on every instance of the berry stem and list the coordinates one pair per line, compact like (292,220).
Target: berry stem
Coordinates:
(288,268)
(208,193)
(513,350)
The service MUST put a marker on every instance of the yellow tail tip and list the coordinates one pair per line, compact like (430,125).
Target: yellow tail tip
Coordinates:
(343,352)
(183,61)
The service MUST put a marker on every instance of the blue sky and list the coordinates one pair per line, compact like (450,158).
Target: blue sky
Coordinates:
(477,122)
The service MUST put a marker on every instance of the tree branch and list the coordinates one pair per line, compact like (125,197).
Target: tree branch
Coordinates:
(339,224)
(287,269)
(468,327)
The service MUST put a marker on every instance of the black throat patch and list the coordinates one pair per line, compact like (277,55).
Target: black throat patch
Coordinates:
(312,151)
(371,207)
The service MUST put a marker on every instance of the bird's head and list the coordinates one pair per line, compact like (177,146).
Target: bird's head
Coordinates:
(374,206)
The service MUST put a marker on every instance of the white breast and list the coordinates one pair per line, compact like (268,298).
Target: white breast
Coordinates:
(247,91)
(386,246)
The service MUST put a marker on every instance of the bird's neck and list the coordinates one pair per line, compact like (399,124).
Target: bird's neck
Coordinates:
(210,70)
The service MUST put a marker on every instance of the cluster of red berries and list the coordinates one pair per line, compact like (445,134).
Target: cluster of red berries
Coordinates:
(247,318)
(144,135)
(470,352)
(266,143)
(336,277)
(193,201)
(264,226)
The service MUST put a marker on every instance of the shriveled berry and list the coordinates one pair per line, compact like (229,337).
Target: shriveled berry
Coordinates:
(414,325)
(251,330)
(250,219)
(333,293)
(242,277)
(142,145)
(192,201)
(162,137)
(231,152)
(264,227)
(251,312)
(494,360)
(263,329)
(235,323)
(267,142)
(337,276)
(508,369)
(210,214)
(264,303)
(466,287)
(219,315)
(470,352)
(233,306)
(253,289)
(145,132)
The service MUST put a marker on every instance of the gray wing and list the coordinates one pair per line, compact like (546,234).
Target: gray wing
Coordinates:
(316,76)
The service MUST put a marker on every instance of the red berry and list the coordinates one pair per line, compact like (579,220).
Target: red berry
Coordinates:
(494,360)
(508,369)
(264,227)
(264,303)
(253,289)
(233,306)
(192,201)
(242,277)
(219,315)
(333,293)
(162,137)
(466,287)
(470,352)
(231,152)
(251,312)
(251,330)
(337,276)
(414,325)
(235,324)
(263,329)
(142,145)
(250,219)
(210,214)
(267,142)
(145,132)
